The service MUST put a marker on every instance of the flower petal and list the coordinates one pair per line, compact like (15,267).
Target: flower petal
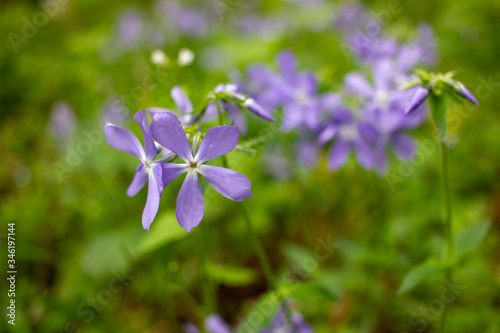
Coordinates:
(140,179)
(465,93)
(168,131)
(287,65)
(364,154)
(254,107)
(122,139)
(141,119)
(218,141)
(181,100)
(338,154)
(153,200)
(190,206)
(358,84)
(231,184)
(215,324)
(417,100)
(171,171)
(404,146)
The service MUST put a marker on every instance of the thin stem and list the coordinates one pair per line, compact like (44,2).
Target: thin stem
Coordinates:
(447,219)
(259,249)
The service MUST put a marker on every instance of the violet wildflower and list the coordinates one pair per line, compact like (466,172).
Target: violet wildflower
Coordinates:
(62,121)
(282,323)
(347,134)
(213,324)
(218,141)
(148,170)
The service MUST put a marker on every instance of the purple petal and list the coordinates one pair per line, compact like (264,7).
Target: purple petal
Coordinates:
(190,206)
(122,139)
(358,84)
(404,146)
(231,184)
(168,131)
(327,134)
(234,116)
(465,93)
(364,154)
(153,200)
(190,328)
(417,100)
(287,64)
(181,100)
(253,106)
(338,154)
(218,141)
(141,119)
(215,324)
(383,74)
(140,179)
(171,171)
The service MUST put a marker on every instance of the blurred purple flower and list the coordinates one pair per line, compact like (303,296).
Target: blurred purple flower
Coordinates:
(122,139)
(62,121)
(115,111)
(218,141)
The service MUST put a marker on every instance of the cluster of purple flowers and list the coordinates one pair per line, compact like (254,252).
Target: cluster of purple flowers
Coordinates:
(367,116)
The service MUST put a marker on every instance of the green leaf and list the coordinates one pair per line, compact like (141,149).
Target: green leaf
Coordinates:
(438,108)
(164,230)
(234,276)
(469,238)
(418,274)
(309,291)
(262,313)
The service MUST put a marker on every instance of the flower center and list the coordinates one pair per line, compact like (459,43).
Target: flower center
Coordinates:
(193,165)
(147,166)
(382,98)
(349,132)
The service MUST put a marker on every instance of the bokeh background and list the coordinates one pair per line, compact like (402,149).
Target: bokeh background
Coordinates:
(76,229)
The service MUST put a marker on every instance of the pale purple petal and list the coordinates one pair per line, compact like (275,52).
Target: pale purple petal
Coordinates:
(231,184)
(218,141)
(254,107)
(141,119)
(364,154)
(171,171)
(140,179)
(153,200)
(287,64)
(190,206)
(383,75)
(465,93)
(190,328)
(404,146)
(236,117)
(122,139)
(417,100)
(181,100)
(358,84)
(215,324)
(338,154)
(168,131)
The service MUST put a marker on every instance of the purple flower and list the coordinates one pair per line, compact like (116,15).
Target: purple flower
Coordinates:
(218,141)
(122,139)
(347,135)
(464,92)
(62,121)
(213,324)
(183,104)
(281,323)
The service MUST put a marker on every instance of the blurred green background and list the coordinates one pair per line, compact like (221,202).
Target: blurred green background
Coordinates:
(76,231)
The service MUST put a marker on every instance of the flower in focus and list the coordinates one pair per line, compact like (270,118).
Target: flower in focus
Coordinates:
(218,141)
(148,170)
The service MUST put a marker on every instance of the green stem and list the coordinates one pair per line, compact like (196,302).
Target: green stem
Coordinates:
(208,306)
(259,249)
(255,240)
(447,219)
